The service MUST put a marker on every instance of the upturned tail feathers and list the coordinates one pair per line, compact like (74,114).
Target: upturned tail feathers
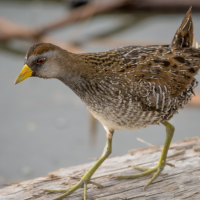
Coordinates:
(184,36)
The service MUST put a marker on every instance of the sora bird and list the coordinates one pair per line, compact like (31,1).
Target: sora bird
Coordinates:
(125,88)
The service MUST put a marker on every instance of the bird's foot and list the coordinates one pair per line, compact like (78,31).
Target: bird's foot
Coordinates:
(146,171)
(161,163)
(81,184)
(85,180)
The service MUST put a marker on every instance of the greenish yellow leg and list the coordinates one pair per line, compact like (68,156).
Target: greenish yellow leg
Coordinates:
(86,178)
(161,163)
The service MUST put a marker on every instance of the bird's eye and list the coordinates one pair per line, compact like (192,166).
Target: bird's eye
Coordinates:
(40,61)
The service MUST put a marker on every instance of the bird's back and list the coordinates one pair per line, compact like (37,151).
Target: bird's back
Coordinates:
(141,80)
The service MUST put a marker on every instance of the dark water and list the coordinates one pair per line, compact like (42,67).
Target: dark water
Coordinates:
(44,126)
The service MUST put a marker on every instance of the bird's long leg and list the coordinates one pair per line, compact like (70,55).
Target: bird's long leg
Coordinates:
(161,163)
(86,178)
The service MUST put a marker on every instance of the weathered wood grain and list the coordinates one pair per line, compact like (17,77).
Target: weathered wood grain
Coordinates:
(181,182)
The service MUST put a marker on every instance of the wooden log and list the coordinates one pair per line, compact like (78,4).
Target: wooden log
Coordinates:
(181,182)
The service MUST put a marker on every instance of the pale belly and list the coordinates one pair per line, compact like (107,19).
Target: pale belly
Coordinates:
(130,112)
(133,119)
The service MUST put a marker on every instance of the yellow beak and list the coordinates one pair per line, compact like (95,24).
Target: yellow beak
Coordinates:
(24,74)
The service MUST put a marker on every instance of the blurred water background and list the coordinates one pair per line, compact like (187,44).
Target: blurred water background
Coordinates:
(44,126)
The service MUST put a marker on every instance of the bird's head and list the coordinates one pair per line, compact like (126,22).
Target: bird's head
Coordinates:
(42,60)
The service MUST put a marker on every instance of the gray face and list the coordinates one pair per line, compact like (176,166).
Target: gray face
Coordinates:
(45,65)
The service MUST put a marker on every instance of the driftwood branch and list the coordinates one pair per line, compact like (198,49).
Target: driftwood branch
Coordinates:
(89,10)
(10,30)
(94,7)
(181,182)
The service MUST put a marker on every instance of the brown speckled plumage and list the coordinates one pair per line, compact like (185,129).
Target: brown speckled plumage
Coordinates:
(128,87)
(135,86)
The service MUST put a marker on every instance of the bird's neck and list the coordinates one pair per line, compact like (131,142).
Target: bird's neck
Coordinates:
(77,73)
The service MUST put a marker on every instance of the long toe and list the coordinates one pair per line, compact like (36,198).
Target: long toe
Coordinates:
(146,171)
